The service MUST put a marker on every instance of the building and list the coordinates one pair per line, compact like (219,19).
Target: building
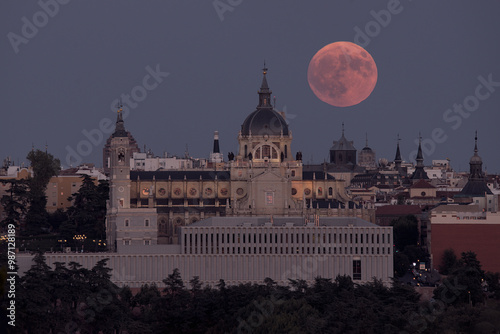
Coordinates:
(367,157)
(257,215)
(419,173)
(465,228)
(59,188)
(62,186)
(249,249)
(262,179)
(476,190)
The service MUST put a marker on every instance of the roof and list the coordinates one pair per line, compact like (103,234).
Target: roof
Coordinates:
(279,221)
(120,127)
(343,144)
(419,173)
(180,175)
(398,210)
(317,175)
(475,188)
(422,184)
(264,121)
(456,208)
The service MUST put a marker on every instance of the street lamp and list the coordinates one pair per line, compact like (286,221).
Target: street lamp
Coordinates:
(62,242)
(80,238)
(99,243)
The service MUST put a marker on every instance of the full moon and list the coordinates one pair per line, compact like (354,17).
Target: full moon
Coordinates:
(342,74)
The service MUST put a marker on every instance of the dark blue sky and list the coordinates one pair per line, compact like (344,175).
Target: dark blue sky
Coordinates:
(60,80)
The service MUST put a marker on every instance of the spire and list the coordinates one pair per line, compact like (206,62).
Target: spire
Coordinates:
(476,163)
(216,142)
(419,173)
(120,126)
(475,145)
(420,157)
(476,186)
(397,159)
(342,129)
(366,139)
(264,92)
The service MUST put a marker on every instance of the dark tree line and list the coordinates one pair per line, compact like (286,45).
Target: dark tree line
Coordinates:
(25,206)
(66,299)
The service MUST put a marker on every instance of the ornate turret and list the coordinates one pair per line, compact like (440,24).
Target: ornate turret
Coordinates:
(264,134)
(264,92)
(343,151)
(120,126)
(216,155)
(397,158)
(419,173)
(119,132)
(476,186)
(366,157)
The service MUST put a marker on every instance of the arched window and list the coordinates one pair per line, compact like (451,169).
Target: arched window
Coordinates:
(246,151)
(266,151)
(330,191)
(320,191)
(258,153)
(286,151)
(274,153)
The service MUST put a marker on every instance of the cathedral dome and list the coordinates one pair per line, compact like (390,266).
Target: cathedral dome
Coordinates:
(264,121)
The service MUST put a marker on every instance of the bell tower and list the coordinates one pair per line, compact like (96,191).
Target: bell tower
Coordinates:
(120,166)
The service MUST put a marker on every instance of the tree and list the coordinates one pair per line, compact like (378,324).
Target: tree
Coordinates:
(44,166)
(15,202)
(405,230)
(173,283)
(401,264)
(449,262)
(464,284)
(88,212)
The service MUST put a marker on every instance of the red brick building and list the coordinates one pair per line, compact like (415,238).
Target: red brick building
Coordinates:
(465,228)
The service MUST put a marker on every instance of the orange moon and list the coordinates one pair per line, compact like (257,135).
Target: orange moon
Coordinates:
(342,74)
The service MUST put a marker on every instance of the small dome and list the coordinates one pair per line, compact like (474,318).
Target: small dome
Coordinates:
(367,149)
(264,121)
(476,159)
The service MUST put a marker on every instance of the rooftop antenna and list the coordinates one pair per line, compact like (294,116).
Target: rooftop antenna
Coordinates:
(366,139)
(274,101)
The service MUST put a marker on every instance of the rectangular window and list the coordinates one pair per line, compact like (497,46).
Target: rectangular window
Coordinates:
(356,269)
(147,242)
(127,222)
(126,242)
(146,222)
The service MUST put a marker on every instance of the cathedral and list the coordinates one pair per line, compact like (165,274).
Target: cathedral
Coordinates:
(264,178)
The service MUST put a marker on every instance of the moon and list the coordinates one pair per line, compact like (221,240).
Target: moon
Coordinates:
(342,74)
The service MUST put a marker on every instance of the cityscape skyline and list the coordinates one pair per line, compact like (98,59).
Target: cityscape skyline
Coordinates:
(66,76)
